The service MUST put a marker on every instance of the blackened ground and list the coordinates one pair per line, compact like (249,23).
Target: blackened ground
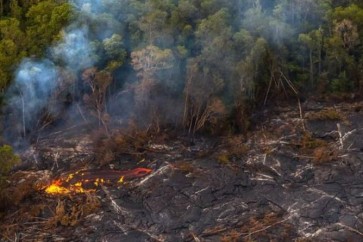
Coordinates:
(292,178)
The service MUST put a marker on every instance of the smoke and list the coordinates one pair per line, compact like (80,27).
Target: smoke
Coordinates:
(34,83)
(101,28)
(75,51)
(36,80)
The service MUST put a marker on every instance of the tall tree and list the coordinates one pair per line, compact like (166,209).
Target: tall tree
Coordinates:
(11,49)
(44,22)
(150,62)
(313,41)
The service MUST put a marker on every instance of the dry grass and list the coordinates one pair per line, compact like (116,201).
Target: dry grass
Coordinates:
(188,168)
(223,159)
(303,240)
(48,214)
(22,185)
(185,167)
(27,208)
(233,147)
(255,228)
(324,154)
(322,151)
(326,114)
(236,146)
(309,142)
(71,212)
(107,149)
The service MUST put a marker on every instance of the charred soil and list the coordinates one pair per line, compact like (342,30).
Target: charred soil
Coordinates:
(297,176)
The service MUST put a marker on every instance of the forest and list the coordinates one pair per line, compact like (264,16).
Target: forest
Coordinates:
(212,61)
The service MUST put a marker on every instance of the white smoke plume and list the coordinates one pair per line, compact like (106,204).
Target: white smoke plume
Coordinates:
(37,79)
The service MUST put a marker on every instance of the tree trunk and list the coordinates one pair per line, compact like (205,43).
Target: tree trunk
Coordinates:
(311,68)
(1,8)
(321,49)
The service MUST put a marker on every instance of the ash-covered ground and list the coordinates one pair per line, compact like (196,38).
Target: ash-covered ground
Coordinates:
(297,176)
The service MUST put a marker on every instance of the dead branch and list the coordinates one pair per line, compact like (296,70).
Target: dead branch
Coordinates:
(81,113)
(214,232)
(263,229)
(350,229)
(340,137)
(196,239)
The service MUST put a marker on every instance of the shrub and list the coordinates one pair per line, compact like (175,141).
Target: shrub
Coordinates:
(7,161)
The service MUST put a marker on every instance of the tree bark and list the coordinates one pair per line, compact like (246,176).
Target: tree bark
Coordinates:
(1,8)
(311,67)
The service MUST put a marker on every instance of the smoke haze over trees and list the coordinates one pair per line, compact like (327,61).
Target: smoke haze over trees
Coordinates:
(198,64)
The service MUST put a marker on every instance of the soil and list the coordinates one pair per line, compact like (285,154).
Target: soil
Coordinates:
(293,178)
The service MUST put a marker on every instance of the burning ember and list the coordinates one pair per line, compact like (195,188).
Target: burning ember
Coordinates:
(88,180)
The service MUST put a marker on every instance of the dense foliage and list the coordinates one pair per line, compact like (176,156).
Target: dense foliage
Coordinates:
(210,60)
(7,161)
(26,29)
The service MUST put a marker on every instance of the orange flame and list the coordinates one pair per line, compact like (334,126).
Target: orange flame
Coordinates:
(85,181)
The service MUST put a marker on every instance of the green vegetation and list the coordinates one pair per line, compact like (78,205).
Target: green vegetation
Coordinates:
(211,60)
(27,28)
(7,161)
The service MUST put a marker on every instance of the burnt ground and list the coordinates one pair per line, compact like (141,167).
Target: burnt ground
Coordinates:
(290,179)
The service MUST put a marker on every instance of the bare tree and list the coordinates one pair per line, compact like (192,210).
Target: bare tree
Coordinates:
(201,104)
(148,63)
(98,81)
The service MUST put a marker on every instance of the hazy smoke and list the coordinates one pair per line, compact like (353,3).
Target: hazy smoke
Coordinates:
(37,79)
(75,50)
(34,82)
(94,38)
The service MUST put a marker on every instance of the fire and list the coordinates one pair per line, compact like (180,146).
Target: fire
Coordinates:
(84,181)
